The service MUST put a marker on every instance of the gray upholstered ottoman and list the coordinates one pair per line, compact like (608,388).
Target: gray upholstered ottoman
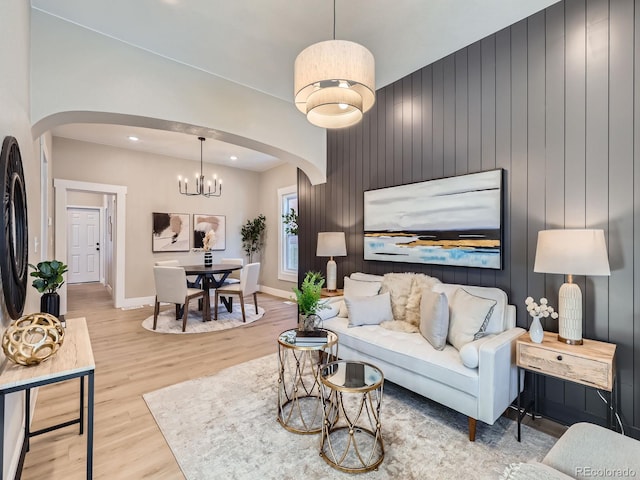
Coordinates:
(590,451)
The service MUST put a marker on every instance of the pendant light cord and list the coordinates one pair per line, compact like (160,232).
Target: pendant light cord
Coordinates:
(334,19)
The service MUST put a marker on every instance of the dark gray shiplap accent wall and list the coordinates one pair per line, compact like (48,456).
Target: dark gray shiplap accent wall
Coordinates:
(555,101)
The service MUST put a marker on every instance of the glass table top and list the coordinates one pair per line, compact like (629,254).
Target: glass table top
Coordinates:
(345,375)
(289,339)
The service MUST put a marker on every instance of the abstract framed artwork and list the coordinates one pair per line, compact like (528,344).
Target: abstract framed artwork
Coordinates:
(171,232)
(455,221)
(203,223)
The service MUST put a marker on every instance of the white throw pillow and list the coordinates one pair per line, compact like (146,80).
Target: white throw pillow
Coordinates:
(354,288)
(368,310)
(434,318)
(470,353)
(468,317)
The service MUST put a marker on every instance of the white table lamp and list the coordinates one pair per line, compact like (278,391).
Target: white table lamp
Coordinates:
(571,252)
(331,244)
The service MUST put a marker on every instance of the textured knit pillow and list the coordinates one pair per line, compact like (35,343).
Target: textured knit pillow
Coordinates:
(412,308)
(434,318)
(368,310)
(354,288)
(468,317)
(399,287)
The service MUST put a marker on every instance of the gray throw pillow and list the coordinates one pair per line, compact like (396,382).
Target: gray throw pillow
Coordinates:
(434,318)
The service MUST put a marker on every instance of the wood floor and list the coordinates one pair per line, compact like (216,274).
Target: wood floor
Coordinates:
(131,361)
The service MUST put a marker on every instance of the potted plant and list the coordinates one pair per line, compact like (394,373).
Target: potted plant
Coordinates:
(252,234)
(48,280)
(308,300)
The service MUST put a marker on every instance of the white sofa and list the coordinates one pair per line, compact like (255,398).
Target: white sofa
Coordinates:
(409,360)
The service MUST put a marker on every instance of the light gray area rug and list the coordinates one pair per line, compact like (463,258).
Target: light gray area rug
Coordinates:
(224,426)
(167,322)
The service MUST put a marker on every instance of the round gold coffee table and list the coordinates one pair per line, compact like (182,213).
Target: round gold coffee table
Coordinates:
(300,406)
(351,437)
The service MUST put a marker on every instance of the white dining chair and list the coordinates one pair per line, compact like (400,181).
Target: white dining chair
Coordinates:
(248,286)
(233,277)
(192,281)
(171,287)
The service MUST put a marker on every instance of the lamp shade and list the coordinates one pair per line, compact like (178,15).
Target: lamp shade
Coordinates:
(331,244)
(334,83)
(572,252)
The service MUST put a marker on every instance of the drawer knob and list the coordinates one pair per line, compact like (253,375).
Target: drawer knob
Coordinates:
(559,357)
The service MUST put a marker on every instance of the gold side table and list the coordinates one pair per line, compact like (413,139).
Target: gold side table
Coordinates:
(351,431)
(300,407)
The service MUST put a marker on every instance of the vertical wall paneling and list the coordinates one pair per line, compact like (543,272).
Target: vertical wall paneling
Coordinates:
(636,215)
(536,100)
(554,100)
(620,194)
(519,168)
(503,147)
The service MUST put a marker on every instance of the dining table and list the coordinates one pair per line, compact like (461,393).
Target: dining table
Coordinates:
(206,279)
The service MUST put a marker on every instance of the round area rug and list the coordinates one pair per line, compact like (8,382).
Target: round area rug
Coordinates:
(167,322)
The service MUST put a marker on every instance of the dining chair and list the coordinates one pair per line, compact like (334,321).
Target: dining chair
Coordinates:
(233,277)
(192,281)
(248,285)
(171,287)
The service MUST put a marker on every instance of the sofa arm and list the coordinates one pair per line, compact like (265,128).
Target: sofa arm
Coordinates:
(497,375)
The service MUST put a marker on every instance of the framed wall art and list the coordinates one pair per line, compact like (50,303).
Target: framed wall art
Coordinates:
(171,232)
(455,221)
(203,223)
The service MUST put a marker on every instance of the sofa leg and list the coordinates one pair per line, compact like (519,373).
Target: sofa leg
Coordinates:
(472,429)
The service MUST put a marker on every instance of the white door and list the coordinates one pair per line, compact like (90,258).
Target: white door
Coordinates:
(83,245)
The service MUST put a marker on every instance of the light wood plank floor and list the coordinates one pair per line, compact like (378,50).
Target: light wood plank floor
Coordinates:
(131,361)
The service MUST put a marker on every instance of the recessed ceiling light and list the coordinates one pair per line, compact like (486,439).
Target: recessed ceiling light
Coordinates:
(133,138)
(233,157)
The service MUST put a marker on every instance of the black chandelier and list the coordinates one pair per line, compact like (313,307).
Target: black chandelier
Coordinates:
(200,186)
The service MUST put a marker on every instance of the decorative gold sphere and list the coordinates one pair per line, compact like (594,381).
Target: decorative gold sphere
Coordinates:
(32,338)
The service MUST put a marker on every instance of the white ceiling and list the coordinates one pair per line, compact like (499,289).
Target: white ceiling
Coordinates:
(255,42)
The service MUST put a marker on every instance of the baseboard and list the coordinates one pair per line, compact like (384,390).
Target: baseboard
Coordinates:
(276,292)
(137,302)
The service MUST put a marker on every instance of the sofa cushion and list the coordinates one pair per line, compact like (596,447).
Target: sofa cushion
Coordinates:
(368,310)
(434,318)
(409,351)
(355,288)
(498,320)
(468,317)
(366,277)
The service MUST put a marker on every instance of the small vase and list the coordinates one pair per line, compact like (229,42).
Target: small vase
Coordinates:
(536,333)
(308,323)
(208,259)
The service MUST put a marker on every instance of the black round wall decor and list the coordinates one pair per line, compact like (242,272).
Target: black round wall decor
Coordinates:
(14,238)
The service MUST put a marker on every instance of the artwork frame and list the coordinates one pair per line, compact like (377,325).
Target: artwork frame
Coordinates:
(202,223)
(171,232)
(451,221)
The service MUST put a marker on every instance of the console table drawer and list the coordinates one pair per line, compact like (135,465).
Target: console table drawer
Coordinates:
(587,371)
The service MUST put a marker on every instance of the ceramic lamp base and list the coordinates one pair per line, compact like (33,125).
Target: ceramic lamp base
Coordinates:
(570,314)
(332,275)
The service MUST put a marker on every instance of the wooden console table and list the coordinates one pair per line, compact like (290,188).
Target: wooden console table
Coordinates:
(73,360)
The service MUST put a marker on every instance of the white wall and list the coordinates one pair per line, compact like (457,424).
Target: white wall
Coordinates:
(79,74)
(151,182)
(14,121)
(270,182)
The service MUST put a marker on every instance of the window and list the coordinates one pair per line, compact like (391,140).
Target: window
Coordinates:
(288,243)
